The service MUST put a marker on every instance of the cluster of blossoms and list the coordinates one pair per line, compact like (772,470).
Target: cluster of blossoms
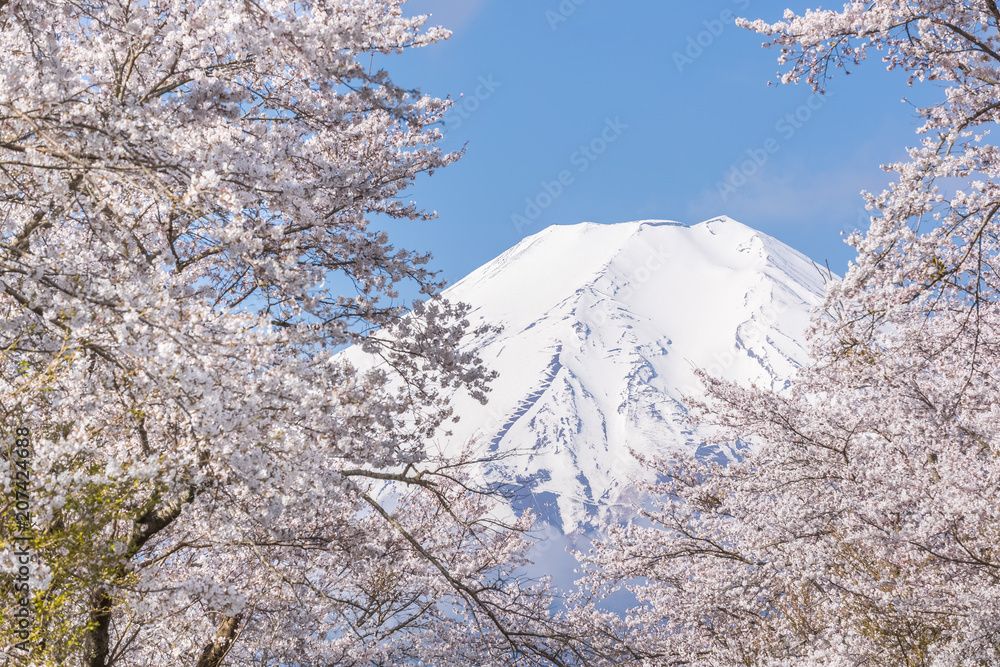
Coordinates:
(864,528)
(182,184)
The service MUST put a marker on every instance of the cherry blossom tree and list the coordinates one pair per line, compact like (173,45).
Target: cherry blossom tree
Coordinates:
(863,530)
(185,195)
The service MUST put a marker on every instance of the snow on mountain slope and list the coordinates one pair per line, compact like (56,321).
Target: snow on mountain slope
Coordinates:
(603,328)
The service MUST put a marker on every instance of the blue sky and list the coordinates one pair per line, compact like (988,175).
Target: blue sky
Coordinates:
(601,111)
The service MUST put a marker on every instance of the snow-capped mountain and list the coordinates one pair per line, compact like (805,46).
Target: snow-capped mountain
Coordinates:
(603,326)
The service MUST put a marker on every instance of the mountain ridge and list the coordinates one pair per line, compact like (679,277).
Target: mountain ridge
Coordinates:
(596,334)
(603,326)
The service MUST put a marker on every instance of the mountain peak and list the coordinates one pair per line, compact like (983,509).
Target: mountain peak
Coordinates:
(603,326)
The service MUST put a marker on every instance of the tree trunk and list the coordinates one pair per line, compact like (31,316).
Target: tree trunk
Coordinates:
(97,644)
(215,652)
